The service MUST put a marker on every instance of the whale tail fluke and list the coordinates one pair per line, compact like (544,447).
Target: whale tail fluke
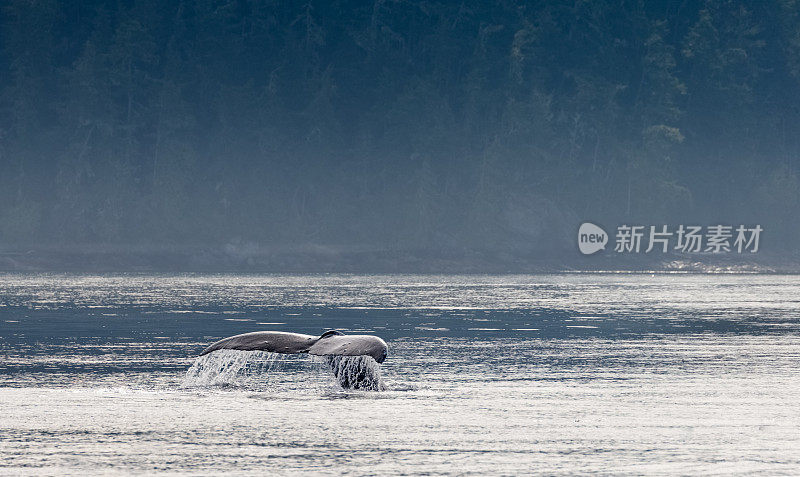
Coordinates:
(352,358)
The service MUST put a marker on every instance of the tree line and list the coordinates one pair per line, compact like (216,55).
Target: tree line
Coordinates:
(393,123)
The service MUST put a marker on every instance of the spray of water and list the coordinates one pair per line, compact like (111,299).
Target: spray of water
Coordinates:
(233,368)
(356,372)
(261,370)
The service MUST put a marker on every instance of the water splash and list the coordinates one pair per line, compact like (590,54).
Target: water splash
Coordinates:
(356,372)
(247,369)
(264,371)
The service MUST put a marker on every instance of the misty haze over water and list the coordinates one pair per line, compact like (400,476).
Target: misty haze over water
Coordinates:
(388,135)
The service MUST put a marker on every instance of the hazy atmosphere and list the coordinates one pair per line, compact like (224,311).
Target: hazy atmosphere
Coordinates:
(214,134)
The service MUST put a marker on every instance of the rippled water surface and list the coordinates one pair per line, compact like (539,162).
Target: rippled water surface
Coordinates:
(549,374)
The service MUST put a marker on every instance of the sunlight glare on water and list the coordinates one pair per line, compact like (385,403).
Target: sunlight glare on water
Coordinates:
(551,374)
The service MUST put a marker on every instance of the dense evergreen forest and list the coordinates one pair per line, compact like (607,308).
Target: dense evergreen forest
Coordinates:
(394,124)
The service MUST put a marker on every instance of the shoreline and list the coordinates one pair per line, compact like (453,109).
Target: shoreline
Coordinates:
(324,259)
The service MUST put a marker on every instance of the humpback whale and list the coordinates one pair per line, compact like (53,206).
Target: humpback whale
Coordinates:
(347,355)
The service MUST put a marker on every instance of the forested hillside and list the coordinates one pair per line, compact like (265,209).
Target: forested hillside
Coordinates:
(394,124)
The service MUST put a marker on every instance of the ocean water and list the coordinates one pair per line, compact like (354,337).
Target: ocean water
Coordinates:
(537,374)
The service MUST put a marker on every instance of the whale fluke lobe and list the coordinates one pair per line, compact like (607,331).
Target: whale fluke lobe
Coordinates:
(272,341)
(347,355)
(340,344)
